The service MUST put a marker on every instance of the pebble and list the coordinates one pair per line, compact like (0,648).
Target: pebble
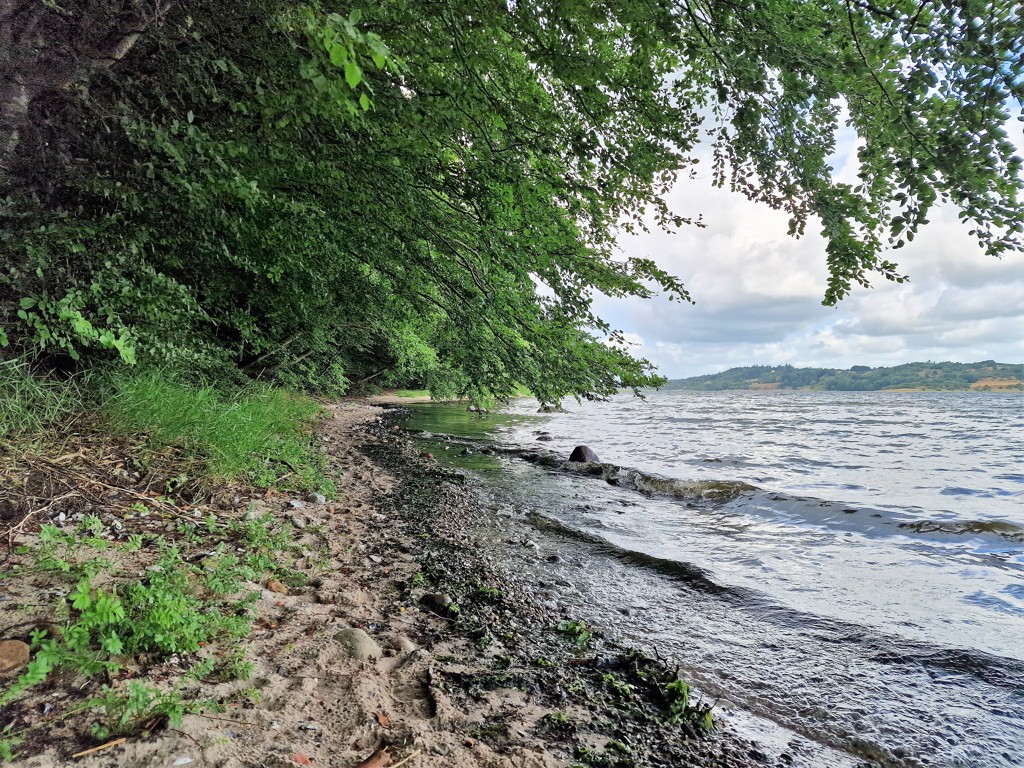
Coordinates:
(376,559)
(316,498)
(358,644)
(404,644)
(296,504)
(298,522)
(276,586)
(14,654)
(436,601)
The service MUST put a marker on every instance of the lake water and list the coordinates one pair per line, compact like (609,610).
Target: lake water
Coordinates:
(848,565)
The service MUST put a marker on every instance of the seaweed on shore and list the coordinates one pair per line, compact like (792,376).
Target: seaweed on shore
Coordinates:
(603,704)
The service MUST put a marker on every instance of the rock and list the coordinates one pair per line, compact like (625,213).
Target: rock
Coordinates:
(298,522)
(554,559)
(296,504)
(545,438)
(276,586)
(358,644)
(316,498)
(14,654)
(437,602)
(582,454)
(404,644)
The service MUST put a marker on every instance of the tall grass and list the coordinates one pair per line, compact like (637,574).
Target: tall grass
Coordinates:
(29,404)
(257,433)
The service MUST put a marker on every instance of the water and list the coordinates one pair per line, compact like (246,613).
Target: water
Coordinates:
(849,565)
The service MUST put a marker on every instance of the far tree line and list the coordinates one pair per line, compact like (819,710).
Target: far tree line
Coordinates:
(986,375)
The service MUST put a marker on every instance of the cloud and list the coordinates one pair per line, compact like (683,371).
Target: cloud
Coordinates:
(758,294)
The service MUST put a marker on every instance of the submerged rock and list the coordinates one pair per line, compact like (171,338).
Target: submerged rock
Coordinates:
(582,453)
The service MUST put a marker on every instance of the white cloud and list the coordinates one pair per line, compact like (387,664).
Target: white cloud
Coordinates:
(759,291)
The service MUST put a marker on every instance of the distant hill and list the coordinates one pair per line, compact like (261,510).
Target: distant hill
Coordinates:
(988,376)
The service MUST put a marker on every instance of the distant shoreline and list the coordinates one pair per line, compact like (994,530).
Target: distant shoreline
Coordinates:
(985,376)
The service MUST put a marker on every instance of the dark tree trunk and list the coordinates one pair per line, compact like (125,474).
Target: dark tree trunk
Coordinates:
(45,49)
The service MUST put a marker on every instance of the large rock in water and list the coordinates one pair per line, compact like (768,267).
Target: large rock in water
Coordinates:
(583,454)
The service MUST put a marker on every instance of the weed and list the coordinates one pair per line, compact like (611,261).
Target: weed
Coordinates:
(29,404)
(577,630)
(140,707)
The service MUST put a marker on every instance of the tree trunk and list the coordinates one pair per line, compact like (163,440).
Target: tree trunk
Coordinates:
(46,49)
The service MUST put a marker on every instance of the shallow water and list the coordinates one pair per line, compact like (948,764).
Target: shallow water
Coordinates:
(850,565)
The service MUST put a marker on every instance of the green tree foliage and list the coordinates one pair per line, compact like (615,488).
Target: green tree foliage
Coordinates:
(411,191)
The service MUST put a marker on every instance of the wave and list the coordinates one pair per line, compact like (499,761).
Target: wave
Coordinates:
(746,498)
(999,671)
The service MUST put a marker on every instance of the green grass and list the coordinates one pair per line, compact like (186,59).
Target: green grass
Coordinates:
(254,433)
(412,393)
(29,404)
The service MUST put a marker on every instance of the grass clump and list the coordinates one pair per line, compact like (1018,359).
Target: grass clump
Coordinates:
(256,433)
(28,404)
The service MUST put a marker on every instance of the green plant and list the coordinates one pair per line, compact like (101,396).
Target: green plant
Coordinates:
(8,742)
(139,707)
(257,432)
(30,403)
(578,631)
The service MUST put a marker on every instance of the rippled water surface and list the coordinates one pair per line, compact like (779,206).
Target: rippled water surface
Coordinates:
(850,565)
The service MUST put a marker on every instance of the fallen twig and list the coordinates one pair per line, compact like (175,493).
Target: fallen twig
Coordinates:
(101,747)
(406,759)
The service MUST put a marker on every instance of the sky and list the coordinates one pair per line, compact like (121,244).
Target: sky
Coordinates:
(758,293)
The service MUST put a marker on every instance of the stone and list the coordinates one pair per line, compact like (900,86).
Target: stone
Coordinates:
(299,523)
(581,454)
(358,644)
(296,504)
(545,438)
(437,602)
(14,654)
(316,498)
(404,644)
(277,587)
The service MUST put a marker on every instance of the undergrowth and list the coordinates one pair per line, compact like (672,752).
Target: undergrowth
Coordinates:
(127,607)
(29,403)
(256,433)
(179,608)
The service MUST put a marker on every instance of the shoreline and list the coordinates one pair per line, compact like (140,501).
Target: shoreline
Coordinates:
(404,641)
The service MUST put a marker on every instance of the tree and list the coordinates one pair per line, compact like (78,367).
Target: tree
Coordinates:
(432,190)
